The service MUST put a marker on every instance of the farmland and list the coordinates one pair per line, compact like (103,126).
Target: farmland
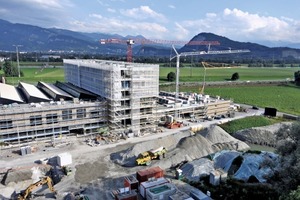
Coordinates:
(284,98)
(196,74)
(33,75)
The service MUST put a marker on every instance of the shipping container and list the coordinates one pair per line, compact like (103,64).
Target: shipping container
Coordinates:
(130,195)
(149,184)
(150,173)
(131,182)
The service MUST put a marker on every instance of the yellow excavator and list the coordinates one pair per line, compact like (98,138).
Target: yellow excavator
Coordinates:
(27,193)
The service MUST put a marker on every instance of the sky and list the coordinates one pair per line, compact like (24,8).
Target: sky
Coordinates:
(265,21)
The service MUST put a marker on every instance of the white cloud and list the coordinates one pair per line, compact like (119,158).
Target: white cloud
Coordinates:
(116,26)
(111,10)
(180,32)
(96,16)
(36,12)
(49,4)
(102,3)
(244,26)
(171,6)
(142,13)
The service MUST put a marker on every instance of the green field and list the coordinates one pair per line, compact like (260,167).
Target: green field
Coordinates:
(284,98)
(196,74)
(33,75)
(248,122)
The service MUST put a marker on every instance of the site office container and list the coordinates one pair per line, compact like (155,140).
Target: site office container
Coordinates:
(125,194)
(128,196)
(131,182)
(160,192)
(150,173)
(150,184)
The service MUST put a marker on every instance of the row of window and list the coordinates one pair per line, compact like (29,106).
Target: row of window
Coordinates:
(35,120)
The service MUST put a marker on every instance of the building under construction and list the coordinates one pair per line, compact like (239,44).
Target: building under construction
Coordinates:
(131,90)
(122,96)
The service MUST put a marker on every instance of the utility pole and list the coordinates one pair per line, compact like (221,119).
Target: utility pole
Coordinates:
(18,64)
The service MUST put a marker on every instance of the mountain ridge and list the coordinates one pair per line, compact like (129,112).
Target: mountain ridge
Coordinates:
(35,38)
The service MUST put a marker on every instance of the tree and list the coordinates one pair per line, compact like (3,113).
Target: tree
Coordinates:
(297,77)
(293,195)
(171,76)
(9,70)
(288,147)
(235,76)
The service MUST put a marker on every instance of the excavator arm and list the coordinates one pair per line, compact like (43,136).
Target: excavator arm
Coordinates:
(46,180)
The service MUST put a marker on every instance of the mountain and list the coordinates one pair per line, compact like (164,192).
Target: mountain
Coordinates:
(34,38)
(256,50)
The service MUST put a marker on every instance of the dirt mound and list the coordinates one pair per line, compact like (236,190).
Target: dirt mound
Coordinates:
(182,146)
(260,135)
(18,175)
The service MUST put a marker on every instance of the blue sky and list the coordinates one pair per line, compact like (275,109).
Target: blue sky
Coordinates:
(264,21)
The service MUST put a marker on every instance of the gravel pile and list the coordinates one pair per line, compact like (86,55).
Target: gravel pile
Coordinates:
(193,171)
(260,135)
(182,146)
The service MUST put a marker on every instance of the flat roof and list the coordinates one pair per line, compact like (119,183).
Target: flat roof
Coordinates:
(33,91)
(10,92)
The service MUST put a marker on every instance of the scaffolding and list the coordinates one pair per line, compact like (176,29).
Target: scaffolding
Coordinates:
(33,122)
(131,90)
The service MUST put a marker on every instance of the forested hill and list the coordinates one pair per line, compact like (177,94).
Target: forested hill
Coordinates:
(34,39)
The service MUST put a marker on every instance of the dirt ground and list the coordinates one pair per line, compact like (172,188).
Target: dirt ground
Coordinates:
(97,170)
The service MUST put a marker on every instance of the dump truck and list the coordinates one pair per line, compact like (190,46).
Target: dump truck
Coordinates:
(146,157)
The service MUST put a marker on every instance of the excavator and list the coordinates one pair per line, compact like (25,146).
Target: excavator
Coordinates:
(24,195)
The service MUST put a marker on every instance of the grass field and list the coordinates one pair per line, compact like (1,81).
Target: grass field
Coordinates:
(33,75)
(196,74)
(284,98)
(248,122)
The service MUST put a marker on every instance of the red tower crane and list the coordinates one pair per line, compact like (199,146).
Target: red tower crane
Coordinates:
(130,42)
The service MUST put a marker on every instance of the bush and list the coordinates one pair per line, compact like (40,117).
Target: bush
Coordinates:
(171,76)
(235,76)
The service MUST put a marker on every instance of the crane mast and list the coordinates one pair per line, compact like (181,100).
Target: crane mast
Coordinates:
(197,53)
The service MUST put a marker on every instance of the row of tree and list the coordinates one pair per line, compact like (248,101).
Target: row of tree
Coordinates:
(172,76)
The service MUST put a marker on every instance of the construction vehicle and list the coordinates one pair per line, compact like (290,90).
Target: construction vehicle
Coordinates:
(26,194)
(171,123)
(174,124)
(146,157)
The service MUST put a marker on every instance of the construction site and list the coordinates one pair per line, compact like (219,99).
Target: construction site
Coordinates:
(87,133)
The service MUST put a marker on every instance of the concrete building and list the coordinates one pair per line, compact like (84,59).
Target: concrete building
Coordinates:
(28,114)
(122,96)
(131,90)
